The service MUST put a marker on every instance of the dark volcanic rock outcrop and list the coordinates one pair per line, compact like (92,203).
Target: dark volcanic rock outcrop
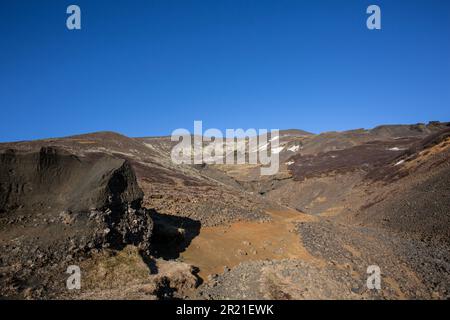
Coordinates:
(53,178)
(56,207)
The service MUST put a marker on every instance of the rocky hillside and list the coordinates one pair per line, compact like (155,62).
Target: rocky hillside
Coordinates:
(141,226)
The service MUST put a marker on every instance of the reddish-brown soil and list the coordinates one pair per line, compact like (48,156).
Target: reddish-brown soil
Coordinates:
(227,246)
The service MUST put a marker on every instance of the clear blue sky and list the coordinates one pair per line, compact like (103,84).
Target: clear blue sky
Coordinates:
(145,68)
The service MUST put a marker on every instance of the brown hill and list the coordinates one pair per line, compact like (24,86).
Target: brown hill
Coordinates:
(351,199)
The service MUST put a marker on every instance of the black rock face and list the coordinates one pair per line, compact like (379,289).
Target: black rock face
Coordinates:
(56,207)
(55,179)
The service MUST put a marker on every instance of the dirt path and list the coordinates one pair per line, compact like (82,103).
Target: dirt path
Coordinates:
(217,247)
